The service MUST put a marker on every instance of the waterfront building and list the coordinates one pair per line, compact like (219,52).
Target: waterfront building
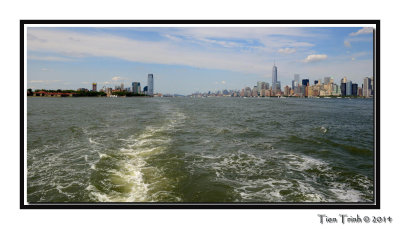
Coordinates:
(360,92)
(367,87)
(122,87)
(335,90)
(327,80)
(94,86)
(343,89)
(254,92)
(136,87)
(262,93)
(259,86)
(247,92)
(286,91)
(274,77)
(343,80)
(150,84)
(348,88)
(305,82)
(354,89)
(295,81)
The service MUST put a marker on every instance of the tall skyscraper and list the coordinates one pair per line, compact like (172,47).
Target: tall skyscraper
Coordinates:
(295,81)
(344,80)
(274,77)
(349,88)
(136,87)
(150,84)
(343,89)
(354,89)
(367,87)
(94,87)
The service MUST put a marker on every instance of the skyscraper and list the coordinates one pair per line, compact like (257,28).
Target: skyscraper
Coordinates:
(343,89)
(349,88)
(354,89)
(367,87)
(136,87)
(150,84)
(296,81)
(94,87)
(274,77)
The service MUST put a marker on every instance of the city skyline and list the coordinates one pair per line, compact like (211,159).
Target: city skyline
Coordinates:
(185,60)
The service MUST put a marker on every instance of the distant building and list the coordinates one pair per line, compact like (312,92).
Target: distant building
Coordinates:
(295,81)
(305,82)
(94,86)
(136,87)
(274,77)
(286,91)
(343,80)
(150,84)
(367,87)
(327,80)
(82,89)
(360,91)
(348,88)
(145,90)
(354,89)
(343,89)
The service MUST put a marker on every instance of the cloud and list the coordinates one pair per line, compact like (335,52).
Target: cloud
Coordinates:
(287,50)
(173,38)
(44,69)
(364,30)
(347,43)
(49,58)
(315,57)
(63,42)
(116,78)
(223,82)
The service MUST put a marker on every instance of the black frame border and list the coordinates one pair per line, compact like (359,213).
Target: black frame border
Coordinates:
(374,205)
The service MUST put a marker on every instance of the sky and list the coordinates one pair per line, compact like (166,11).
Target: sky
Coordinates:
(184,60)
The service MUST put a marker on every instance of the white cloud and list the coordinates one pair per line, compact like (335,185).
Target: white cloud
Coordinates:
(173,38)
(49,58)
(159,52)
(315,57)
(287,50)
(347,43)
(116,78)
(223,82)
(364,30)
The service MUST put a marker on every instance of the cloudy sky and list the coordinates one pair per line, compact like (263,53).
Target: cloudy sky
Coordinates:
(189,59)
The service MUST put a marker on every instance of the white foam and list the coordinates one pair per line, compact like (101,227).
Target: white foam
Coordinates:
(92,141)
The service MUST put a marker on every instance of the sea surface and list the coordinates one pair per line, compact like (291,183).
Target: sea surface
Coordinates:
(219,149)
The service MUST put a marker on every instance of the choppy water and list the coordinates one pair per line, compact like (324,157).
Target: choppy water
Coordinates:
(200,150)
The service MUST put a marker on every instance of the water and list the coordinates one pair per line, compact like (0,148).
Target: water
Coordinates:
(200,150)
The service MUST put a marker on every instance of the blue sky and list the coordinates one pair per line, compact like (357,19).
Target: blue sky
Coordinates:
(189,59)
